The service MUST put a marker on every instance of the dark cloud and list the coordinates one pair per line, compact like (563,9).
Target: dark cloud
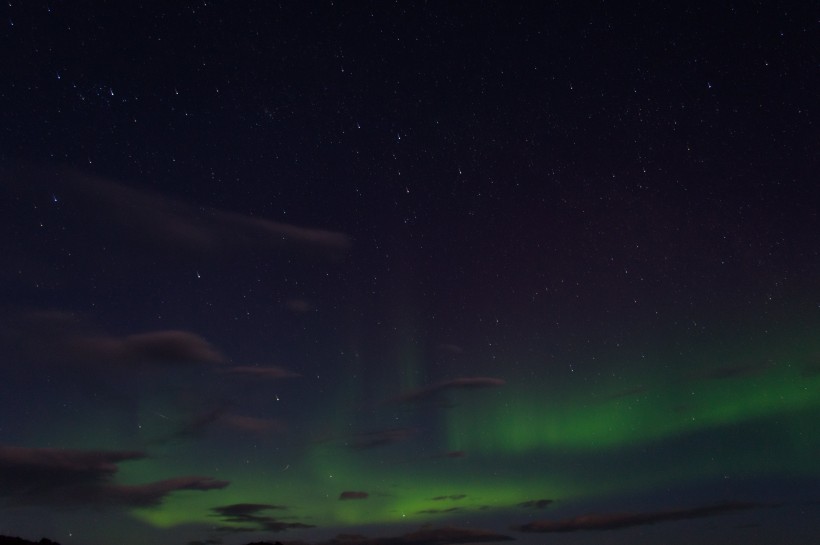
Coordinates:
(194,427)
(154,348)
(353,495)
(22,465)
(450,348)
(245,509)
(200,423)
(250,517)
(455,454)
(60,337)
(613,521)
(535,504)
(424,536)
(153,493)
(64,476)
(7,540)
(447,535)
(265,524)
(299,306)
(270,372)
(450,497)
(438,511)
(253,424)
(381,438)
(464,383)
(163,222)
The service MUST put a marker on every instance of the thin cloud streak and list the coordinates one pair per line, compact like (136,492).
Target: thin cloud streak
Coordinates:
(270,372)
(353,495)
(166,222)
(249,517)
(614,521)
(48,476)
(447,535)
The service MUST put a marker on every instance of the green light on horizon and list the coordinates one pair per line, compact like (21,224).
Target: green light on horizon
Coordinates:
(530,421)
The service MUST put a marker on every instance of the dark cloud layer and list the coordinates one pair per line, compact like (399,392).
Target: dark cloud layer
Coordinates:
(455,454)
(613,521)
(439,511)
(450,497)
(164,222)
(425,536)
(154,493)
(353,495)
(8,540)
(249,517)
(59,337)
(154,348)
(200,423)
(64,476)
(244,509)
(270,372)
(535,504)
(252,424)
(195,426)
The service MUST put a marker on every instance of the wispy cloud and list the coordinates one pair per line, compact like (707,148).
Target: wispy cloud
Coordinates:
(425,536)
(270,372)
(240,510)
(353,495)
(614,521)
(535,504)
(55,336)
(66,476)
(250,517)
(160,221)
(163,348)
(200,423)
(450,348)
(253,424)
(439,511)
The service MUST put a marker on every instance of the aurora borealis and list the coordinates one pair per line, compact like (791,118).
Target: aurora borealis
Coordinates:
(409,274)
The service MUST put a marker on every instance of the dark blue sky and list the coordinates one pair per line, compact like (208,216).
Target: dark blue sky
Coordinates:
(420,273)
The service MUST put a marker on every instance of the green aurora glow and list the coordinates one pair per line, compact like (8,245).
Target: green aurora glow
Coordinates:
(517,436)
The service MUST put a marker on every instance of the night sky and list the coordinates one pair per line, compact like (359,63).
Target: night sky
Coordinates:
(394,273)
